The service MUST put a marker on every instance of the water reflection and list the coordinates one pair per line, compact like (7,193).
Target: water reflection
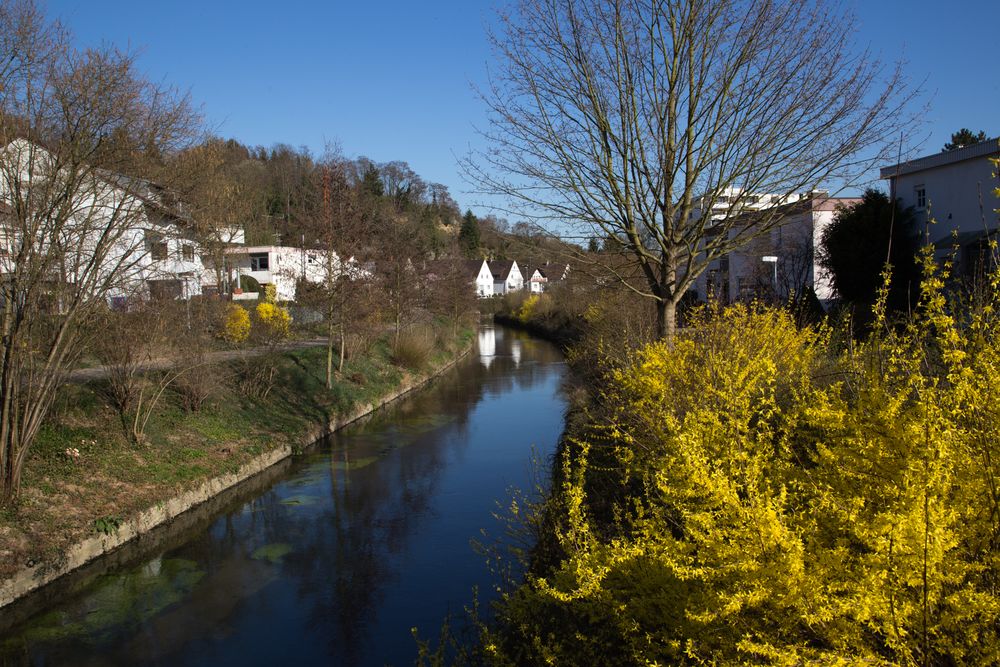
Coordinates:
(487,345)
(364,538)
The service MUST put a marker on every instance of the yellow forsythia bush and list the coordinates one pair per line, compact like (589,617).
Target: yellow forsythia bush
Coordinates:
(527,308)
(275,321)
(752,495)
(235,325)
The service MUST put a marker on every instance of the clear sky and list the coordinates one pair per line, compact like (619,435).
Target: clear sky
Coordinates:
(392,79)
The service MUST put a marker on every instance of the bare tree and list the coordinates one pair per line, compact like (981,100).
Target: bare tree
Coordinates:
(342,291)
(221,199)
(656,122)
(396,274)
(128,340)
(450,290)
(401,184)
(76,130)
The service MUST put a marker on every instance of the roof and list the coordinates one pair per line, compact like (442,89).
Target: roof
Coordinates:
(531,271)
(501,268)
(472,266)
(982,149)
(437,268)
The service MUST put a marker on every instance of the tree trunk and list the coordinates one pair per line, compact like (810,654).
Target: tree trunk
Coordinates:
(329,358)
(666,321)
(10,485)
(343,346)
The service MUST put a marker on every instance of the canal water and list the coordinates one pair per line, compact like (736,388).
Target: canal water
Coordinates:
(331,558)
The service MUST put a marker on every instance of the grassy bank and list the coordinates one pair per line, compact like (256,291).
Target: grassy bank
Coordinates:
(84,477)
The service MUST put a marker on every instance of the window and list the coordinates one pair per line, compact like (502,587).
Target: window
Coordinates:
(258,261)
(156,245)
(187,252)
(921,195)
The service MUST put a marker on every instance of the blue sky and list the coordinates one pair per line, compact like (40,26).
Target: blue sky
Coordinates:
(393,79)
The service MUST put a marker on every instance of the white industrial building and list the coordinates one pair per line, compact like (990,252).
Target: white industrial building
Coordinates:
(780,262)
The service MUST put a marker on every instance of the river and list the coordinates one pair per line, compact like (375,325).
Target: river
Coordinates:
(332,557)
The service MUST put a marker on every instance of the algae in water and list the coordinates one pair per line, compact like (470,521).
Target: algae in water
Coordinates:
(272,553)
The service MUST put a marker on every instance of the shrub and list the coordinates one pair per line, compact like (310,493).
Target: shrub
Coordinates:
(526,310)
(236,325)
(413,348)
(752,495)
(197,385)
(250,284)
(275,322)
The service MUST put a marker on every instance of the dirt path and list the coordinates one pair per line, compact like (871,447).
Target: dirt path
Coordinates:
(100,372)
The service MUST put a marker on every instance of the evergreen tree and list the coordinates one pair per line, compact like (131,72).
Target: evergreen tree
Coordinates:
(856,246)
(962,138)
(468,235)
(371,182)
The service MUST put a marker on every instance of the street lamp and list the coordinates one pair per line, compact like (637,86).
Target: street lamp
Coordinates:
(773,260)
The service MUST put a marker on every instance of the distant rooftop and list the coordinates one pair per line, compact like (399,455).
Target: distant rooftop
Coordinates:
(982,149)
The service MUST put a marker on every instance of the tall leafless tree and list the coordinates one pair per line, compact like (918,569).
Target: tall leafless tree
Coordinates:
(633,119)
(220,198)
(77,129)
(342,292)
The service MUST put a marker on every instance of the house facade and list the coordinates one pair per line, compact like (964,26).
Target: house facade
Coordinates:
(115,228)
(779,263)
(954,189)
(537,280)
(280,266)
(507,276)
(483,280)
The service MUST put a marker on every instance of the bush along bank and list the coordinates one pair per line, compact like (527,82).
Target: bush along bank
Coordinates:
(86,480)
(547,316)
(760,493)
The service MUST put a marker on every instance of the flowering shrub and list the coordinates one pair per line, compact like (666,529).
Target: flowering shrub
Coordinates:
(236,325)
(755,495)
(527,308)
(275,321)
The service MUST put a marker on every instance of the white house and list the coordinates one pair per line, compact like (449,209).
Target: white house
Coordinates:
(537,280)
(483,280)
(143,246)
(541,278)
(957,190)
(781,261)
(506,276)
(281,266)
(170,264)
(723,204)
